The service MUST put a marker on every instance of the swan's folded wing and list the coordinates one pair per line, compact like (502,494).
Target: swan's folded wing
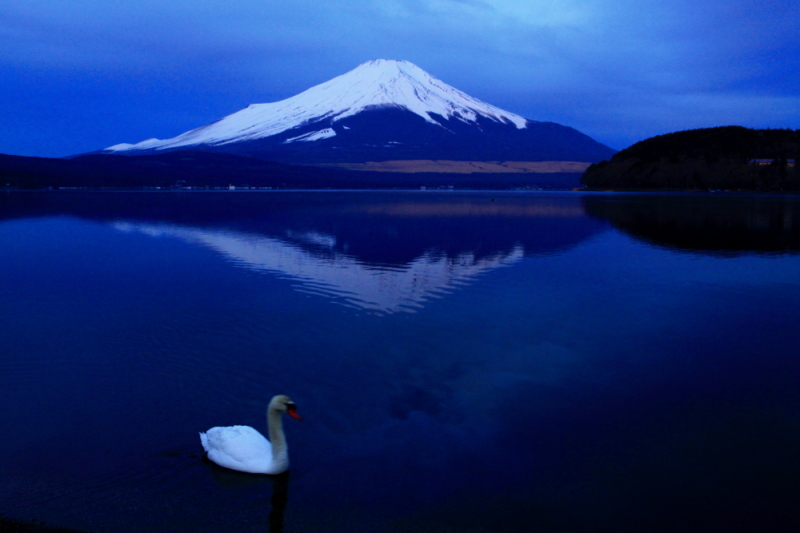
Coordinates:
(238,447)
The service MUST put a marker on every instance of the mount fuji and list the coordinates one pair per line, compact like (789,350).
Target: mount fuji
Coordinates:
(381,111)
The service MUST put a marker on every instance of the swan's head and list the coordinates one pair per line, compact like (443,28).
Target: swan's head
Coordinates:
(284,404)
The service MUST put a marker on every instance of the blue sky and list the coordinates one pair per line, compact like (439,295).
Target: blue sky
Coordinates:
(76,76)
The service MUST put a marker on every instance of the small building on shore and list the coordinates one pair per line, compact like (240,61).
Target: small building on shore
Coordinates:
(765,162)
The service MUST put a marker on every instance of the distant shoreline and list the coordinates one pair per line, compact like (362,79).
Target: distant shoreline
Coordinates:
(241,190)
(218,171)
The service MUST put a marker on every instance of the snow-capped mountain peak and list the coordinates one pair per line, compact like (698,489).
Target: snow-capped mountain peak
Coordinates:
(376,84)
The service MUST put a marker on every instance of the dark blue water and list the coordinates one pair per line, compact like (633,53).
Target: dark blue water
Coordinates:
(464,361)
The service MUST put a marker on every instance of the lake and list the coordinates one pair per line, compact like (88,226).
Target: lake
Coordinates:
(463,361)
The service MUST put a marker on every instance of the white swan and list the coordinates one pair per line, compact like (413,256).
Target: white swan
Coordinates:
(245,449)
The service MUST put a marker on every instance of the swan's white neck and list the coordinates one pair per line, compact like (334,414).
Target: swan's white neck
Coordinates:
(280,452)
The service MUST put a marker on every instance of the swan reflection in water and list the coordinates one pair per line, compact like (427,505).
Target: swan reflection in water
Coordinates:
(231,480)
(280,497)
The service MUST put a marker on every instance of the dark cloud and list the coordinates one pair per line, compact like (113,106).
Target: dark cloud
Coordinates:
(618,70)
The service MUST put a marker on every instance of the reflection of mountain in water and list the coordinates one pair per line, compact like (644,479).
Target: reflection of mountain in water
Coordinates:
(373,287)
(379,251)
(730,225)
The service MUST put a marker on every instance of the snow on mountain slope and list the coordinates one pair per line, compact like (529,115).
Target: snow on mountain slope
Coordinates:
(376,84)
(313,136)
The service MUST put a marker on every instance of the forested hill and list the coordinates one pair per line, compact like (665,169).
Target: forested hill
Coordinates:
(712,158)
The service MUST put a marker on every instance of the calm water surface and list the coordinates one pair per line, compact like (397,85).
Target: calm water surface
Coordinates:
(463,361)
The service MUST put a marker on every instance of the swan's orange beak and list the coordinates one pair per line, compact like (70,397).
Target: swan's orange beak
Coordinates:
(291,410)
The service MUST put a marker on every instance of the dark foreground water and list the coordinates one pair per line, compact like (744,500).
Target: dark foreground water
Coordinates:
(464,361)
